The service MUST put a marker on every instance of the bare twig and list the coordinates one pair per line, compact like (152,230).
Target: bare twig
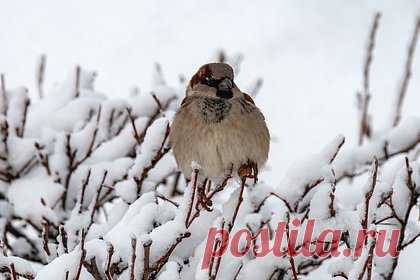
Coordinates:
(77,82)
(218,243)
(332,199)
(277,196)
(40,73)
(191,202)
(92,267)
(108,271)
(133,125)
(290,249)
(307,189)
(73,163)
(82,255)
(368,265)
(21,130)
(157,101)
(45,237)
(407,73)
(83,190)
(3,95)
(13,272)
(382,157)
(97,196)
(163,150)
(164,259)
(146,262)
(133,258)
(364,128)
(93,139)
(221,186)
(404,220)
(63,238)
(256,87)
(167,199)
(369,194)
(238,204)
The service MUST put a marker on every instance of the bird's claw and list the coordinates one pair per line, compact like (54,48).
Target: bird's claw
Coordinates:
(249,170)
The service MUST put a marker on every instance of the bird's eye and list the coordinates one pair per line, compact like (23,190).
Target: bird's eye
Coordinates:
(210,81)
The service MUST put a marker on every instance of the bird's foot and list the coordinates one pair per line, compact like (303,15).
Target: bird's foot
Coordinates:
(249,170)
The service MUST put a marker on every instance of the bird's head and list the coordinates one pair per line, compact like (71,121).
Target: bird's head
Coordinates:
(214,80)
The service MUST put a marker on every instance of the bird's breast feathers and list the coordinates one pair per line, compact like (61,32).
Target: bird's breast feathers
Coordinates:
(217,133)
(215,110)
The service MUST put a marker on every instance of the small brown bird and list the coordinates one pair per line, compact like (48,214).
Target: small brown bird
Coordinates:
(218,126)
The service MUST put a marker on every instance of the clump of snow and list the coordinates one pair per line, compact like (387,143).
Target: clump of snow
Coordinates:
(89,185)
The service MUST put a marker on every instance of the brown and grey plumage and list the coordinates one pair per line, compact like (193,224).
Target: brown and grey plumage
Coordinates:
(218,126)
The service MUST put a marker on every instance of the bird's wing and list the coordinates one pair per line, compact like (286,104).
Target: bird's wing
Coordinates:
(187,100)
(248,98)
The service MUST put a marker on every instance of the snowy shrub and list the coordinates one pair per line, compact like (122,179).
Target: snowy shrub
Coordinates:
(89,189)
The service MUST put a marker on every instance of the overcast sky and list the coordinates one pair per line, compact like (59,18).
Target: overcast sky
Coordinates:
(309,53)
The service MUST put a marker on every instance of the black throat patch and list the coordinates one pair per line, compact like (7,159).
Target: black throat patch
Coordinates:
(226,94)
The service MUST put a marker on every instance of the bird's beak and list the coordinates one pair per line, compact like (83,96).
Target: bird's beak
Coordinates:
(225,85)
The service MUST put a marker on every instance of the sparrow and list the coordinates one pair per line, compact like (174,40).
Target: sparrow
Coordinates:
(218,127)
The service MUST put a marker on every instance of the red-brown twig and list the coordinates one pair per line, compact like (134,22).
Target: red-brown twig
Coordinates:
(238,204)
(45,237)
(369,194)
(308,188)
(82,255)
(407,73)
(40,73)
(290,249)
(108,271)
(403,221)
(73,163)
(382,157)
(163,150)
(368,265)
(63,238)
(167,199)
(43,158)
(77,82)
(332,199)
(364,128)
(164,259)
(133,258)
(133,125)
(191,202)
(146,261)
(97,197)
(411,241)
(155,115)
(214,260)
(21,130)
(221,186)
(83,190)
(157,101)
(3,94)
(92,267)
(13,272)
(277,196)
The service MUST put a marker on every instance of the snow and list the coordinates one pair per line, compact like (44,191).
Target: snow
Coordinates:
(127,190)
(307,97)
(171,272)
(27,204)
(22,266)
(59,267)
